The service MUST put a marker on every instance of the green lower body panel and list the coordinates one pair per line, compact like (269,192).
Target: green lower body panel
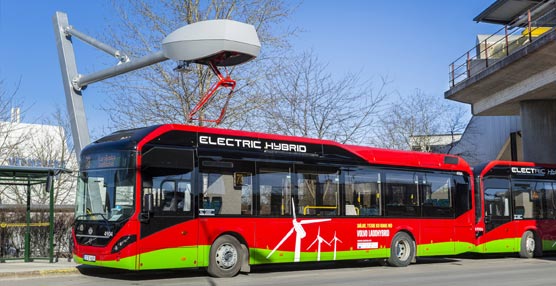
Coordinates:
(261,256)
(170,258)
(549,245)
(128,263)
(506,245)
(444,248)
(194,257)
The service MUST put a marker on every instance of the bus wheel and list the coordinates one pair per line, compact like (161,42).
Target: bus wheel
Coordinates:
(402,250)
(529,245)
(226,256)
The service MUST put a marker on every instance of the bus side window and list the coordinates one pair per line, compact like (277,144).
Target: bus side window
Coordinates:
(402,197)
(225,191)
(538,196)
(317,191)
(463,200)
(437,192)
(275,198)
(522,199)
(215,188)
(185,189)
(550,200)
(169,196)
(362,193)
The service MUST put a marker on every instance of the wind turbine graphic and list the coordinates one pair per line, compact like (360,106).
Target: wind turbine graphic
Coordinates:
(335,240)
(299,234)
(320,240)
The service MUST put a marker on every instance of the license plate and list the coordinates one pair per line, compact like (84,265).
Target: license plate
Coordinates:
(90,258)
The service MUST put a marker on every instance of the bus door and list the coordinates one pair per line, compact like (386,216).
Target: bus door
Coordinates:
(274,202)
(225,200)
(464,213)
(437,200)
(547,226)
(497,216)
(168,231)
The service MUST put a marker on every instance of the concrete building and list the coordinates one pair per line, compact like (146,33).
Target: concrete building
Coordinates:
(512,74)
(488,138)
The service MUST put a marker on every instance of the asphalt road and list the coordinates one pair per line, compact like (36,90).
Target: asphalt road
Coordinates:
(431,272)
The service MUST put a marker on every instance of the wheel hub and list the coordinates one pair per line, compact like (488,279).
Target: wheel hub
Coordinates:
(226,256)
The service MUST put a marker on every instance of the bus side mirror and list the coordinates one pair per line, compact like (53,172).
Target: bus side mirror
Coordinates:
(145,215)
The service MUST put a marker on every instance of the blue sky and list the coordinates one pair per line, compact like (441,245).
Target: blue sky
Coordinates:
(410,42)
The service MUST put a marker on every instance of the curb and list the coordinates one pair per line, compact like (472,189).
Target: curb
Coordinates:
(38,273)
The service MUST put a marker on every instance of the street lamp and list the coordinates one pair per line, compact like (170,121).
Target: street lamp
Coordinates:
(214,43)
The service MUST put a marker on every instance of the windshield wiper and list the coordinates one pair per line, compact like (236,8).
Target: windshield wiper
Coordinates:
(85,216)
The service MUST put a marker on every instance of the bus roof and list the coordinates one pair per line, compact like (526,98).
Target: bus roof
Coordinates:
(482,169)
(371,155)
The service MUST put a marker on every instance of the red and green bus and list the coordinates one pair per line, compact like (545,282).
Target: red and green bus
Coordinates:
(515,208)
(178,196)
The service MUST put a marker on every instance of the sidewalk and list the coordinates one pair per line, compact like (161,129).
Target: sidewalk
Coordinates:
(20,269)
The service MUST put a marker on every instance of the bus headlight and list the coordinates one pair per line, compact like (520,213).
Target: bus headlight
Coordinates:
(123,242)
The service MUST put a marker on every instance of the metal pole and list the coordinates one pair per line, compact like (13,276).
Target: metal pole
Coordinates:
(97,44)
(468,65)
(486,53)
(507,40)
(529,25)
(50,189)
(81,81)
(27,256)
(74,99)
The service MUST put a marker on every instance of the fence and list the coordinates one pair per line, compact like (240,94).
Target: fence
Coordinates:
(490,49)
(14,228)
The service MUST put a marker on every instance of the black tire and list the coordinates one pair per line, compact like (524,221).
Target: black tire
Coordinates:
(530,245)
(226,256)
(402,250)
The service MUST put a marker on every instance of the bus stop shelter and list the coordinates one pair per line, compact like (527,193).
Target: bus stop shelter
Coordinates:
(28,177)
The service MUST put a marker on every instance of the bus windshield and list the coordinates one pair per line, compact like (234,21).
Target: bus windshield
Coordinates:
(105,187)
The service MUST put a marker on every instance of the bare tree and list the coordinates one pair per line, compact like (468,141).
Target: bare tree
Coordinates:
(415,120)
(11,135)
(305,99)
(54,148)
(159,94)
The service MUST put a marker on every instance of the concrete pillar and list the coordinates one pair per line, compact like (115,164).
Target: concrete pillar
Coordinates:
(538,128)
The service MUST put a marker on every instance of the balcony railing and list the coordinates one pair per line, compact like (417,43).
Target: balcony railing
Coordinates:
(509,39)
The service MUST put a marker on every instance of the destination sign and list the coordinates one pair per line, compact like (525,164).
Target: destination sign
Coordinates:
(252,144)
(533,171)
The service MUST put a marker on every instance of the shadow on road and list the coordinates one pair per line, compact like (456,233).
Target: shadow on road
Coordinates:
(119,274)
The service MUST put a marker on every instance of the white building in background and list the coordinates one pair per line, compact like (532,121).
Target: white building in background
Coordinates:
(36,145)
(439,143)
